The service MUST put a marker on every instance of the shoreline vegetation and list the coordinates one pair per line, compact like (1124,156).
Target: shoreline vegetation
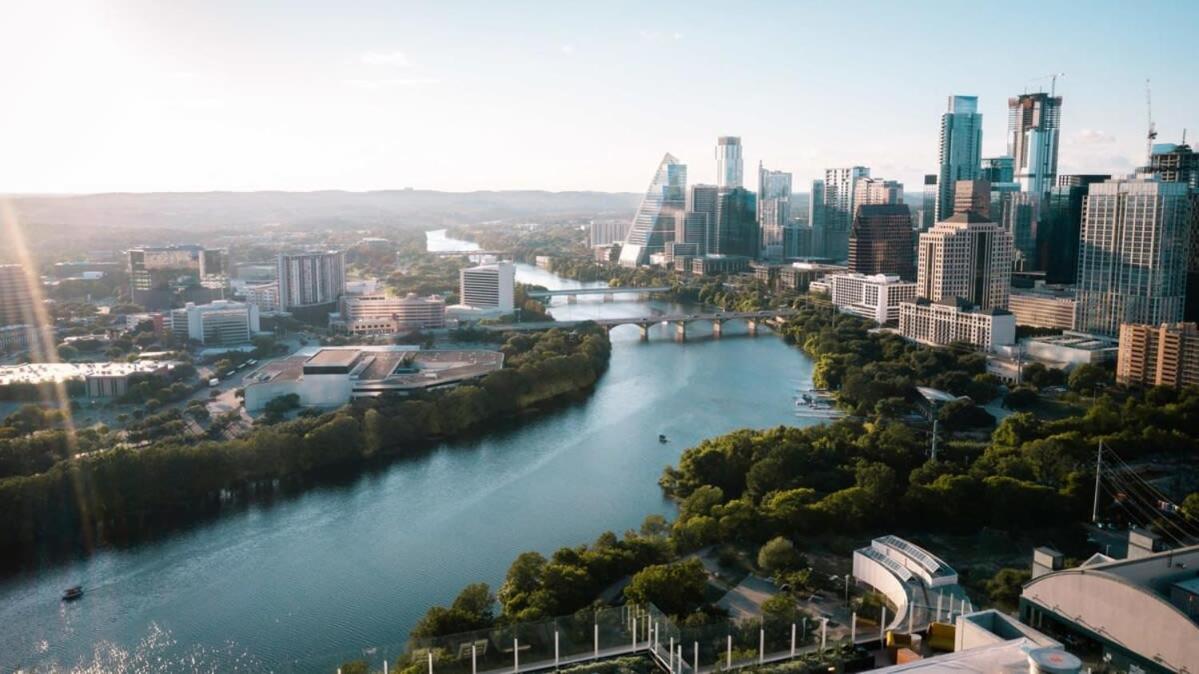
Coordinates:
(786,491)
(113,497)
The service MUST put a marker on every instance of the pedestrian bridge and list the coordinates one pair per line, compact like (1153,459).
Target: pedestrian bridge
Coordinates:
(751,318)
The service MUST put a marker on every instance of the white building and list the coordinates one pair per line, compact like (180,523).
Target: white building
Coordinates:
(381,314)
(965,256)
(488,286)
(876,297)
(1043,307)
(311,279)
(265,296)
(1071,348)
(948,321)
(219,322)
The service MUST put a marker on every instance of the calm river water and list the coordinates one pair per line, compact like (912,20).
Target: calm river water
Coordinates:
(305,582)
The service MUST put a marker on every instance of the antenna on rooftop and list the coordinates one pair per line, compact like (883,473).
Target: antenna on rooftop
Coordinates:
(1152,135)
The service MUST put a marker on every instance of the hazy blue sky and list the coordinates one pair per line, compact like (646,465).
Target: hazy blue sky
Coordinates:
(221,94)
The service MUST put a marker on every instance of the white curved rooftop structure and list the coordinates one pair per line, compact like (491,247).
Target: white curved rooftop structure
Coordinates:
(930,568)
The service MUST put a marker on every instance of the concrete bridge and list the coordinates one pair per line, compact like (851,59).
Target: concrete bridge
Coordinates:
(572,294)
(681,321)
(458,253)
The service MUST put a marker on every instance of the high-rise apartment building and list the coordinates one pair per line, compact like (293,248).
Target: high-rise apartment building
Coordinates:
(877,191)
(1034,121)
(960,152)
(1132,254)
(654,223)
(736,230)
(928,208)
(16,297)
(488,286)
(1021,216)
(1158,355)
(1179,164)
(774,210)
(881,241)
(729,167)
(838,208)
(997,170)
(311,279)
(967,257)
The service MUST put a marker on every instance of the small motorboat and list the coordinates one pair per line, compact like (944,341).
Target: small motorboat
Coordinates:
(662,438)
(72,593)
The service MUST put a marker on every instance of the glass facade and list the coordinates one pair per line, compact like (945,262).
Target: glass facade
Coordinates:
(654,223)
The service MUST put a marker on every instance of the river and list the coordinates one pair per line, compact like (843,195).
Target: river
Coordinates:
(305,582)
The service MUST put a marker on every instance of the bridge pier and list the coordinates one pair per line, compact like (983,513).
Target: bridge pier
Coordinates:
(752,324)
(680,331)
(572,299)
(644,331)
(717,328)
(608,297)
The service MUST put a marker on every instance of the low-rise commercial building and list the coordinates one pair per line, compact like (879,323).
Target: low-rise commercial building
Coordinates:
(719,264)
(1070,349)
(332,376)
(876,296)
(799,275)
(954,320)
(1158,355)
(265,296)
(100,380)
(1141,613)
(217,323)
(381,314)
(1043,306)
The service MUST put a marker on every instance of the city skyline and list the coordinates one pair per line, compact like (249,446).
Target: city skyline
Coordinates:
(487,98)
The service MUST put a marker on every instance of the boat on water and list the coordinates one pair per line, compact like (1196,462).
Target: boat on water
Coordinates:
(72,593)
(662,438)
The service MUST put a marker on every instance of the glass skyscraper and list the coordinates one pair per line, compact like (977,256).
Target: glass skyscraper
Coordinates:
(1132,255)
(728,162)
(774,210)
(960,152)
(654,223)
(1034,121)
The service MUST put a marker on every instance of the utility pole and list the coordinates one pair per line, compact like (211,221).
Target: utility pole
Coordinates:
(1098,465)
(936,423)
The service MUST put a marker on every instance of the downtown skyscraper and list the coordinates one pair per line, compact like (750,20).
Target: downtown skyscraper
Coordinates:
(774,210)
(960,153)
(729,167)
(965,257)
(1034,121)
(837,209)
(654,223)
(1132,254)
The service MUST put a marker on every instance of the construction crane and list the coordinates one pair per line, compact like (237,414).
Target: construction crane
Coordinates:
(1052,77)
(1152,135)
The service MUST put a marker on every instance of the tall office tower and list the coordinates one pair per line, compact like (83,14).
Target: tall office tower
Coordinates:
(774,210)
(1179,164)
(736,224)
(728,162)
(1021,217)
(16,297)
(1033,124)
(654,223)
(972,195)
(838,208)
(488,286)
(877,191)
(158,273)
(960,150)
(698,221)
(967,257)
(1132,254)
(928,209)
(311,279)
(997,170)
(816,218)
(1060,224)
(881,241)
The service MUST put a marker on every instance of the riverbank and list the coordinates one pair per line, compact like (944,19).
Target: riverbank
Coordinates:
(114,497)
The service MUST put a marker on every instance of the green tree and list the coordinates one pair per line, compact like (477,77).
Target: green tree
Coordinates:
(676,589)
(1005,586)
(1086,378)
(1190,507)
(778,556)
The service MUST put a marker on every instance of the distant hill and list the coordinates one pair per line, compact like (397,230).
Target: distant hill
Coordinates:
(222,210)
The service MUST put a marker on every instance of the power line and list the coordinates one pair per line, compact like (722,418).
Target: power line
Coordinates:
(1147,505)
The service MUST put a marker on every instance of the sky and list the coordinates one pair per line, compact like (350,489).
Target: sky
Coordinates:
(196,95)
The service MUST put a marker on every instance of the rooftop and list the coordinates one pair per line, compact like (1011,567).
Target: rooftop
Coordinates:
(333,358)
(36,373)
(1076,340)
